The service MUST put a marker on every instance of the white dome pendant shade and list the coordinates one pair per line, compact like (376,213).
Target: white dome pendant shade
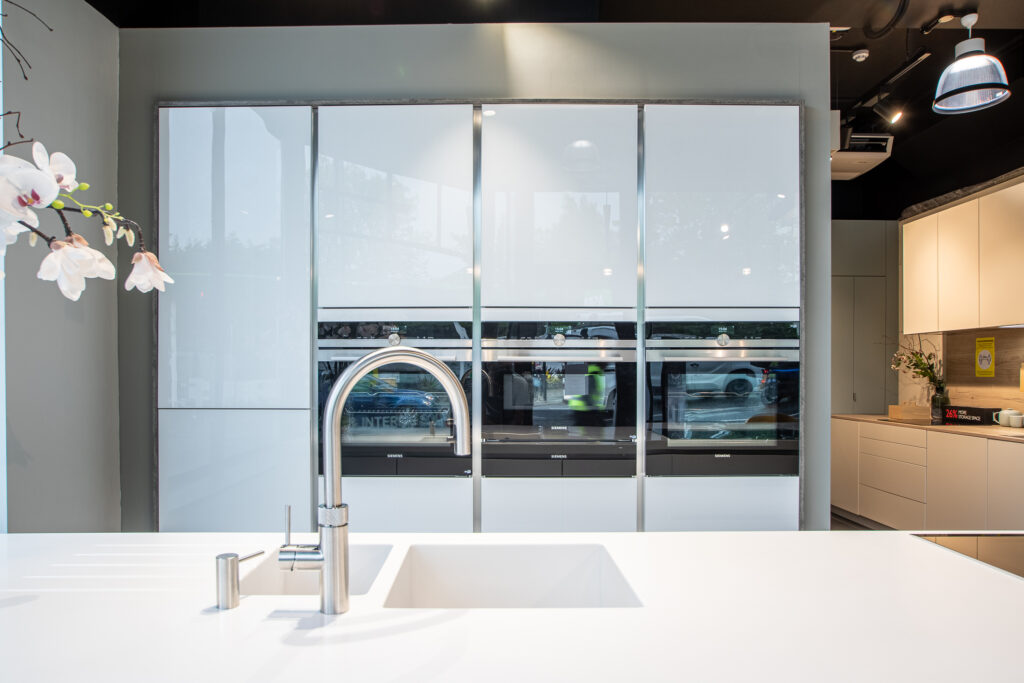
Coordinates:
(973,81)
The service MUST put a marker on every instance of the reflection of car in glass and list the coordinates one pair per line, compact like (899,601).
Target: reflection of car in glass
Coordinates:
(715,378)
(408,406)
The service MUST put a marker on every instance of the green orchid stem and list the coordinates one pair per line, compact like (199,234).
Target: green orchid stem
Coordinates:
(41,234)
(120,220)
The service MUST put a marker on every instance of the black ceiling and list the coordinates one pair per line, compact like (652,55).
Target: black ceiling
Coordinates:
(932,154)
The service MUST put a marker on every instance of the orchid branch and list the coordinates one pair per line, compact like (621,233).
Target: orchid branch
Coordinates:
(47,238)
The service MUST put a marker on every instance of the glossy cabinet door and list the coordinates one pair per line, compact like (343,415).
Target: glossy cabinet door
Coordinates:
(1002,257)
(395,206)
(558,504)
(408,504)
(920,275)
(722,503)
(957,230)
(234,328)
(559,188)
(722,189)
(234,470)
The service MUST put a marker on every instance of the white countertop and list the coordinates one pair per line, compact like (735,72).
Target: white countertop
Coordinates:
(757,606)
(992,431)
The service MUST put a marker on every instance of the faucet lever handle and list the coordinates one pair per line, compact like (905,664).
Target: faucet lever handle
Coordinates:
(287,525)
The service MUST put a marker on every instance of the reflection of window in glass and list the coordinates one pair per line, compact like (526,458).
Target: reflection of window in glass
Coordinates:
(561,210)
(190,198)
(253,166)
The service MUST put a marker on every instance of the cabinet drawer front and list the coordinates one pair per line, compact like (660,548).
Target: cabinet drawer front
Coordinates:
(893,476)
(894,451)
(890,509)
(904,435)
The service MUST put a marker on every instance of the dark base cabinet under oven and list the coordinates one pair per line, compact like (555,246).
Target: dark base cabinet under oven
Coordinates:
(559,460)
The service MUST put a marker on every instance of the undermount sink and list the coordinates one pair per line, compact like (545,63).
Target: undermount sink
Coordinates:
(267,577)
(471,576)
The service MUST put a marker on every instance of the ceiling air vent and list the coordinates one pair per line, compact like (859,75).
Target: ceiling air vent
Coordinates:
(865,151)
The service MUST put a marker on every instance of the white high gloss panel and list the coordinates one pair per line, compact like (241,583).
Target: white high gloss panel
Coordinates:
(559,205)
(558,504)
(407,503)
(722,503)
(234,470)
(535,314)
(235,232)
(395,205)
(722,314)
(403,314)
(723,205)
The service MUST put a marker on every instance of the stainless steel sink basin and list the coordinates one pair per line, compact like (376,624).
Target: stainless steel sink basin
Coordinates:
(472,576)
(267,578)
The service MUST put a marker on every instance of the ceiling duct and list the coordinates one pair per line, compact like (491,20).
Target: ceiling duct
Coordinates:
(865,151)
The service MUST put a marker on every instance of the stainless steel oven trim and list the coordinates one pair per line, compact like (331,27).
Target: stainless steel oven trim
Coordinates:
(571,356)
(347,355)
(477,399)
(314,255)
(712,344)
(550,345)
(683,355)
(641,307)
(418,342)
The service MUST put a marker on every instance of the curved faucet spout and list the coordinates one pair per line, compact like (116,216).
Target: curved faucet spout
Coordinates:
(356,371)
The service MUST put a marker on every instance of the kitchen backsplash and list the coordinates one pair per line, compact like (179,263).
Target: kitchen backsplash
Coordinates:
(1001,391)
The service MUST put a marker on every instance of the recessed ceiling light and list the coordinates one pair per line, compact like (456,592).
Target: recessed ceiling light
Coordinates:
(781,196)
(745,271)
(489,112)
(724,228)
(607,271)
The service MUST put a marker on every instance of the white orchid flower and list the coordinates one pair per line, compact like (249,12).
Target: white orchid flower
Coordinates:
(146,273)
(65,264)
(58,165)
(98,265)
(23,188)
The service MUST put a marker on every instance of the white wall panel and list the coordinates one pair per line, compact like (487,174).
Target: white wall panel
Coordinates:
(395,205)
(234,470)
(235,232)
(722,503)
(723,205)
(558,504)
(559,205)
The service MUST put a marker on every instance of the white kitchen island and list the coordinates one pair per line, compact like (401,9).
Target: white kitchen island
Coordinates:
(736,606)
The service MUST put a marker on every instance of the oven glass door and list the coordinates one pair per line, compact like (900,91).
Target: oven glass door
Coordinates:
(552,396)
(393,414)
(721,402)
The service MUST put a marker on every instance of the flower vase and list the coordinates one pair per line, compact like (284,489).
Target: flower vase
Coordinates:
(940,399)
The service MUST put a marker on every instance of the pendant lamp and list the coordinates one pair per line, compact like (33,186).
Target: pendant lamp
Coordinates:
(974,80)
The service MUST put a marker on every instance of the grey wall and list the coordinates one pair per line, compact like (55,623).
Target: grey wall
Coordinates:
(62,368)
(474,62)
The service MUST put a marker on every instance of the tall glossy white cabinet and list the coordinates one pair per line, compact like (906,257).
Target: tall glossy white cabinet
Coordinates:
(559,189)
(234,352)
(722,189)
(395,206)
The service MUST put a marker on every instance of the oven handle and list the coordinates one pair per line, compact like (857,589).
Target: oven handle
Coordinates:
(682,359)
(444,357)
(554,358)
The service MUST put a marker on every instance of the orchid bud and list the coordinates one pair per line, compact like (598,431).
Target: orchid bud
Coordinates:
(83,186)
(57,204)
(108,207)
(32,239)
(87,213)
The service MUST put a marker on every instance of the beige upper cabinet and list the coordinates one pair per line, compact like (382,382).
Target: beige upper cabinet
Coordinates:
(958,266)
(920,275)
(1001,232)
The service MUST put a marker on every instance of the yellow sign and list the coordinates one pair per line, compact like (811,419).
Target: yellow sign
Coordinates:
(984,356)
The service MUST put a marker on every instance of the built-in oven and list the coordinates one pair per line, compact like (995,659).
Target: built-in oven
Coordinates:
(396,421)
(558,399)
(723,398)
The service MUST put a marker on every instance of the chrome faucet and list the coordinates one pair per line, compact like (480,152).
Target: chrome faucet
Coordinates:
(330,556)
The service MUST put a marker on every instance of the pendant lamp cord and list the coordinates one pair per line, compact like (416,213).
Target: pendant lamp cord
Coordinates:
(874,34)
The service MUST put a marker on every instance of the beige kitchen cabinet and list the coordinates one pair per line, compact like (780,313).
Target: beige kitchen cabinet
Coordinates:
(1001,255)
(920,275)
(957,230)
(957,481)
(844,464)
(891,474)
(1005,485)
